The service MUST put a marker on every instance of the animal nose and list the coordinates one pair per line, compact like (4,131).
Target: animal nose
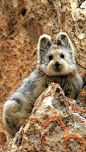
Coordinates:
(57,64)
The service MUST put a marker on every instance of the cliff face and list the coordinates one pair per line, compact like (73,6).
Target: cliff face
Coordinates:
(21,24)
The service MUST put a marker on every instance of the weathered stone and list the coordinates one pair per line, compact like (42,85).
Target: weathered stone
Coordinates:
(55,124)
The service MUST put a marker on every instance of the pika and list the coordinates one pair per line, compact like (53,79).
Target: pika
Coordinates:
(55,63)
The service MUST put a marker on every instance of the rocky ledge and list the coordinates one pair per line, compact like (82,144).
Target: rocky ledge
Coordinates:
(57,123)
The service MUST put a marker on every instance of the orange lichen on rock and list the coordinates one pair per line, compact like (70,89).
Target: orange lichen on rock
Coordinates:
(54,118)
(68,103)
(42,140)
(83,121)
(35,119)
(75,137)
(79,109)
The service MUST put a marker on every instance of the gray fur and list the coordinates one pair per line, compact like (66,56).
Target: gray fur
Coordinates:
(58,69)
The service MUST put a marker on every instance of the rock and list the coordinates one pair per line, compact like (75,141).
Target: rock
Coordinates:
(3,139)
(83,5)
(55,124)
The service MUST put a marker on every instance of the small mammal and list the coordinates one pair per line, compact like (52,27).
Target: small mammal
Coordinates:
(56,63)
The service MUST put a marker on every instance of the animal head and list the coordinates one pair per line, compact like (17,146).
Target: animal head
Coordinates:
(55,59)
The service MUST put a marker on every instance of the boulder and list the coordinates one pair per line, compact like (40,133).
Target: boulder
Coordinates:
(57,123)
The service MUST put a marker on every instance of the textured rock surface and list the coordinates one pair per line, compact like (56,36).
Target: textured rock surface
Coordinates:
(21,24)
(56,123)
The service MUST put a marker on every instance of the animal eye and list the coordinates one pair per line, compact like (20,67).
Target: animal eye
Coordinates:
(62,55)
(50,57)
(59,42)
(49,44)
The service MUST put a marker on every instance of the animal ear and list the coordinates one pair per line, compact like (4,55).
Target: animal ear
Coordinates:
(63,39)
(44,43)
